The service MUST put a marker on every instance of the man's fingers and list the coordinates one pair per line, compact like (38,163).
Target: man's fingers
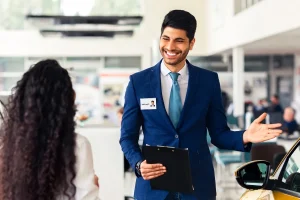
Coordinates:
(148,177)
(271,136)
(146,170)
(153,173)
(260,118)
(274,131)
(274,125)
(151,166)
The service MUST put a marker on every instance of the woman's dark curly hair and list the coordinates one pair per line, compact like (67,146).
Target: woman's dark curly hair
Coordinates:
(1,114)
(38,154)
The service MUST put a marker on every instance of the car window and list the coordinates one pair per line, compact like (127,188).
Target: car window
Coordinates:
(290,174)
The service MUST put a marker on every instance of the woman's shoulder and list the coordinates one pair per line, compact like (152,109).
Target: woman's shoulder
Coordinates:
(81,141)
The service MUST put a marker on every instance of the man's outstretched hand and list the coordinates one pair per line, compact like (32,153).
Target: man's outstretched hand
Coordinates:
(258,132)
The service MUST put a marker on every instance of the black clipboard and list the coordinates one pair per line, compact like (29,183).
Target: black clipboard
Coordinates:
(177,162)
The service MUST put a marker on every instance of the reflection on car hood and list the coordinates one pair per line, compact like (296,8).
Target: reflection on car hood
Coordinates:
(251,194)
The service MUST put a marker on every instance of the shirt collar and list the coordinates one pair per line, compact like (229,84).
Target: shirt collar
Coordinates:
(165,71)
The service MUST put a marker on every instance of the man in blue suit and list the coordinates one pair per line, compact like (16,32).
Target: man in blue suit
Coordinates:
(188,102)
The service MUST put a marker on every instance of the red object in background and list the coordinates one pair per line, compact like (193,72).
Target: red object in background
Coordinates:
(107,105)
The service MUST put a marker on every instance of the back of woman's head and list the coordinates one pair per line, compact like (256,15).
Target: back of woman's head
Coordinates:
(38,158)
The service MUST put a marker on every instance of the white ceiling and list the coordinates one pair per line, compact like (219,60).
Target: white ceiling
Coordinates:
(284,43)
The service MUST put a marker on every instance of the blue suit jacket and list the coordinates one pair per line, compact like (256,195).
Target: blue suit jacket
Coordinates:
(202,109)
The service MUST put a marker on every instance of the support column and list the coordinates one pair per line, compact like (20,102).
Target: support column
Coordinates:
(238,81)
(296,100)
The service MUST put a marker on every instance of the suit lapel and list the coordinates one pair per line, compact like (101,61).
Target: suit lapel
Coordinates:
(191,92)
(156,88)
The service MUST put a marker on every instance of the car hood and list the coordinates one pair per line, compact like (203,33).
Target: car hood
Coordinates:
(251,194)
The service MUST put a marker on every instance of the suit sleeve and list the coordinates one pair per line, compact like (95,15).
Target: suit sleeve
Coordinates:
(221,135)
(130,127)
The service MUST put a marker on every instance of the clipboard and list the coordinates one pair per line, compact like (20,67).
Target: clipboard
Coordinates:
(177,162)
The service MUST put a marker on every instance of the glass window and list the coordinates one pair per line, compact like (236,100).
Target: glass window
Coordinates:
(213,63)
(83,64)
(7,83)
(86,86)
(83,58)
(283,61)
(241,5)
(256,63)
(11,64)
(33,60)
(123,62)
(291,173)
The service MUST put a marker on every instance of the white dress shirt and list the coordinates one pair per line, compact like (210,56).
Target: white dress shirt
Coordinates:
(84,180)
(166,83)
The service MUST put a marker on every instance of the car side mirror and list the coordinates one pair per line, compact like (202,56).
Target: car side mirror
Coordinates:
(253,175)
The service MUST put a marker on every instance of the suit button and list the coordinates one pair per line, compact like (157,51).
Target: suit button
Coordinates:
(176,136)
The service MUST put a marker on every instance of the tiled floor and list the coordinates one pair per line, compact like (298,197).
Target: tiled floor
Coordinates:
(232,191)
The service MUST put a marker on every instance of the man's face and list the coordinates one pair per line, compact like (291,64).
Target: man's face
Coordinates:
(174,45)
(274,100)
(152,102)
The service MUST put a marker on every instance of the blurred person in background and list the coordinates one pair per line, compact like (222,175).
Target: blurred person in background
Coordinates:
(42,157)
(275,104)
(290,125)
(260,108)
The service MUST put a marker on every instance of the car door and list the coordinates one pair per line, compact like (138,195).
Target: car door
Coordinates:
(287,186)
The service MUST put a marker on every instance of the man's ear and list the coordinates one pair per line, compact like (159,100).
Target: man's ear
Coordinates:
(192,44)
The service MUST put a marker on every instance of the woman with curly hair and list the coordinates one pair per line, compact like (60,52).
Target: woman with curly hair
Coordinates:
(42,157)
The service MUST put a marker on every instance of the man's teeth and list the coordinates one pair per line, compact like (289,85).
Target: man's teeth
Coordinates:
(171,54)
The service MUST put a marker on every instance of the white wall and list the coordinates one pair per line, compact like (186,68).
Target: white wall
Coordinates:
(224,30)
(31,43)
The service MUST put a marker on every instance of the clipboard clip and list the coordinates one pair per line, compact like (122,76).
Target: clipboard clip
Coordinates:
(166,147)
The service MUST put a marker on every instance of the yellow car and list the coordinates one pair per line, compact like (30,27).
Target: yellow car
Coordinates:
(283,184)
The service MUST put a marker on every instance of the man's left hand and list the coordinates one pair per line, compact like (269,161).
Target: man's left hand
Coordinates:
(258,132)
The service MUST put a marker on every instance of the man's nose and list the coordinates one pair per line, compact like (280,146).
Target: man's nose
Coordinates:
(170,46)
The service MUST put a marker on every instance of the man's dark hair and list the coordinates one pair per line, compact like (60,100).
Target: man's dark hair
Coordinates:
(180,19)
(276,96)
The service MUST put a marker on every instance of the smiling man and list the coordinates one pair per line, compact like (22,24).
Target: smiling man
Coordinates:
(188,102)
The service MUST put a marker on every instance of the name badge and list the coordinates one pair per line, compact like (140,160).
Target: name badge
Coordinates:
(148,104)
